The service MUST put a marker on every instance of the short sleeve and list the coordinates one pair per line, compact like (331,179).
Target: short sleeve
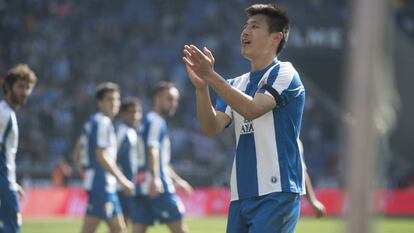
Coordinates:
(5,121)
(156,126)
(103,134)
(283,84)
(221,105)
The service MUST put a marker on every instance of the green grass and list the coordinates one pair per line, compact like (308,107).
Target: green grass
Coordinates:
(218,225)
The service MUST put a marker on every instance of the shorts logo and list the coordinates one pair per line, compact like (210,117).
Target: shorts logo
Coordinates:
(165,214)
(108,209)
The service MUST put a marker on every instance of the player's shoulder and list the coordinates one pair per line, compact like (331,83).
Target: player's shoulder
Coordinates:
(132,135)
(5,111)
(154,118)
(286,66)
(101,118)
(239,79)
(286,69)
(121,130)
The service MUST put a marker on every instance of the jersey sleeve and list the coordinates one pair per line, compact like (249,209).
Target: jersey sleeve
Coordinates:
(156,126)
(103,133)
(4,124)
(283,84)
(221,105)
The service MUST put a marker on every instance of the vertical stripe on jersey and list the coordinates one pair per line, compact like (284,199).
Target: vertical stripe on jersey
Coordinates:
(268,165)
(3,156)
(99,174)
(247,183)
(123,158)
(291,169)
(273,75)
(246,166)
(92,142)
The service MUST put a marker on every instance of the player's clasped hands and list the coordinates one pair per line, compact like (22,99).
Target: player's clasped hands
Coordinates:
(199,62)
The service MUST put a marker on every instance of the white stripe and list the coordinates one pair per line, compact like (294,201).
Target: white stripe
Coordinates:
(240,84)
(233,182)
(266,154)
(284,78)
(102,133)
(88,180)
(154,130)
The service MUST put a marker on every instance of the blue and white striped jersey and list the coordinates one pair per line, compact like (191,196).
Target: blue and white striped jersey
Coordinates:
(98,132)
(9,139)
(155,134)
(131,157)
(267,156)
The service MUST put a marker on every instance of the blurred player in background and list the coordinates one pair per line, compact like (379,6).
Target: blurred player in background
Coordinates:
(162,204)
(318,208)
(17,87)
(131,151)
(266,106)
(97,155)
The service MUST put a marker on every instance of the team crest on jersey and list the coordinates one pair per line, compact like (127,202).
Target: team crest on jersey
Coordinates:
(247,127)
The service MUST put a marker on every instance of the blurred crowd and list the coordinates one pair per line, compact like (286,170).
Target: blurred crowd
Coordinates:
(73,45)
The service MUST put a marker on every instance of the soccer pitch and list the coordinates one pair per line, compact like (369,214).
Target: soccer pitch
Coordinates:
(218,225)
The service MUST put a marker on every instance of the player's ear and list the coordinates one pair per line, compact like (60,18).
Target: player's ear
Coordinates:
(277,37)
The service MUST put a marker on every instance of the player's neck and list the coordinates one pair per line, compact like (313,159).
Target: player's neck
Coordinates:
(9,102)
(107,114)
(258,64)
(158,111)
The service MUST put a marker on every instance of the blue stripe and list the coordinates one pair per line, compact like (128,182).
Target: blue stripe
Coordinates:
(163,136)
(4,182)
(221,105)
(246,167)
(124,159)
(246,161)
(92,142)
(99,180)
(273,75)
(288,123)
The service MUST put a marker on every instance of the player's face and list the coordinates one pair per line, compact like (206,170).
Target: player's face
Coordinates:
(255,38)
(109,104)
(19,93)
(169,102)
(132,115)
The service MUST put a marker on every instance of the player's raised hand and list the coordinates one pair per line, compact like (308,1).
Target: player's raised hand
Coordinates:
(202,63)
(195,80)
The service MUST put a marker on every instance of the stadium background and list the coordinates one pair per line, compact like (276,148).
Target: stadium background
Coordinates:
(73,45)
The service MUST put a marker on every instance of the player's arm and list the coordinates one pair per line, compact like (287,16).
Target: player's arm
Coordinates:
(179,182)
(76,157)
(250,108)
(20,189)
(154,168)
(202,65)
(127,185)
(317,207)
(212,122)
